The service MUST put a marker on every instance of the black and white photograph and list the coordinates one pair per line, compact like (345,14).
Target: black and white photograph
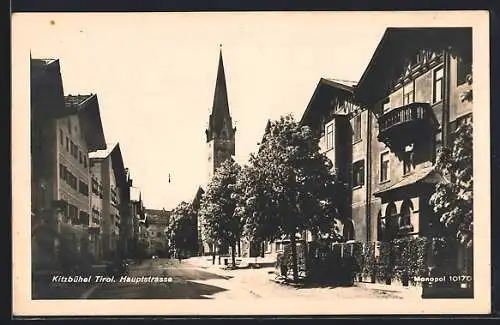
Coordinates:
(251,163)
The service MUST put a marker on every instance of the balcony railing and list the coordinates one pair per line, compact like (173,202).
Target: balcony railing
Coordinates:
(404,121)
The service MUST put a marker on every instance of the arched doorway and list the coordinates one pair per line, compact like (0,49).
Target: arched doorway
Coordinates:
(349,230)
(405,225)
(380,226)
(391,221)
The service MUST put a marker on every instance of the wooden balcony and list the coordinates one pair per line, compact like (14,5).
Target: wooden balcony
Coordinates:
(402,125)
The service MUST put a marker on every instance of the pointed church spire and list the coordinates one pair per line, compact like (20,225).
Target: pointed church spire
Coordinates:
(220,118)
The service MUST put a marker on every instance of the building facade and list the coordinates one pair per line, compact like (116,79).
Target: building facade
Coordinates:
(64,130)
(109,165)
(137,215)
(47,104)
(383,133)
(157,222)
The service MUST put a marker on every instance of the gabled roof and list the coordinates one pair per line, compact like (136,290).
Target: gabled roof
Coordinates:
(103,153)
(113,151)
(87,107)
(197,198)
(118,165)
(327,87)
(396,45)
(47,94)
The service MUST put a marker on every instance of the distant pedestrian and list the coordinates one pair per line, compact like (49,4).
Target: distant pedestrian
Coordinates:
(179,257)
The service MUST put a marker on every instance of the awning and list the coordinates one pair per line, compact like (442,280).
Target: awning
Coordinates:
(424,175)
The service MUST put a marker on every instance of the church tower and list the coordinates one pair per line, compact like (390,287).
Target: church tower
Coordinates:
(220,132)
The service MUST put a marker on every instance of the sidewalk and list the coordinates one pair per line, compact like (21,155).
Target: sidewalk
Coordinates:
(405,292)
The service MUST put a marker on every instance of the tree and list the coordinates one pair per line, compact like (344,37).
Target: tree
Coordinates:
(221,224)
(453,199)
(288,186)
(182,231)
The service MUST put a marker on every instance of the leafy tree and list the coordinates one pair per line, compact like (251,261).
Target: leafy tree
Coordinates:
(452,199)
(182,229)
(288,186)
(221,224)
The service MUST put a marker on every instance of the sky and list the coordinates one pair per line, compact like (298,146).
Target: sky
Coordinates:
(154,76)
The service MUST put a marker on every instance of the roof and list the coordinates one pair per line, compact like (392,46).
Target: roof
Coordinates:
(197,198)
(326,86)
(104,153)
(76,100)
(47,94)
(118,165)
(395,46)
(220,107)
(113,151)
(87,107)
(424,175)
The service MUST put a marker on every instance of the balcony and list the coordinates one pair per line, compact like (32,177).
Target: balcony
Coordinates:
(402,125)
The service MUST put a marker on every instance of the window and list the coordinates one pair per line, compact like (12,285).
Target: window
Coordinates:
(81,157)
(409,93)
(329,137)
(95,187)
(408,160)
(357,128)
(437,88)
(61,137)
(74,150)
(84,218)
(405,225)
(391,222)
(83,188)
(67,144)
(358,173)
(384,167)
(65,211)
(63,172)
(71,180)
(380,226)
(463,69)
(386,106)
(85,161)
(407,163)
(73,214)
(349,230)
(69,125)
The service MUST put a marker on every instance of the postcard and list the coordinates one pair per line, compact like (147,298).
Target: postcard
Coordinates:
(251,163)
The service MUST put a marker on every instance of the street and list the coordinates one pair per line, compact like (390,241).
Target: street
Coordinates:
(184,283)
(197,278)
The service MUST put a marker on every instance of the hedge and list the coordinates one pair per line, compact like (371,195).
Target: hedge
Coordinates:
(401,259)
